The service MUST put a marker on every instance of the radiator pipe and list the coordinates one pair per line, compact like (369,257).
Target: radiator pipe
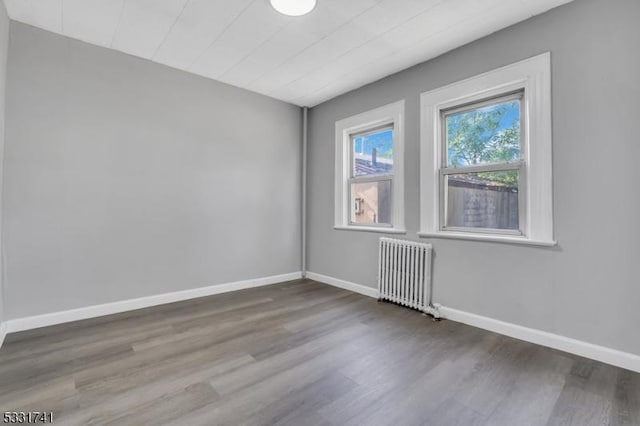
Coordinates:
(303,209)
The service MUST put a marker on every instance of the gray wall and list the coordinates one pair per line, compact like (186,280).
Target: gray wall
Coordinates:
(125,178)
(4,48)
(587,288)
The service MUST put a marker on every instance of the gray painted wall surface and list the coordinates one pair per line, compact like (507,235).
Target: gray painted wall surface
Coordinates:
(125,178)
(587,288)
(4,49)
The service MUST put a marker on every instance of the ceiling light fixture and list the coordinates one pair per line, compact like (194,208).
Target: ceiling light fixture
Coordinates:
(293,7)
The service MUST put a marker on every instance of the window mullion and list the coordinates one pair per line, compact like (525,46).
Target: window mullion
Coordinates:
(498,167)
(369,178)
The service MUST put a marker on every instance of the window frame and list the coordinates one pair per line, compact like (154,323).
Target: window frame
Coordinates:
(519,165)
(532,77)
(387,116)
(376,177)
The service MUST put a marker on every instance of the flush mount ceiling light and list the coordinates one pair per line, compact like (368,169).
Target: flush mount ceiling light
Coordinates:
(293,7)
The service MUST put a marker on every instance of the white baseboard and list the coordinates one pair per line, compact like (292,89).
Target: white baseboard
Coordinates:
(3,332)
(543,338)
(577,347)
(28,323)
(347,285)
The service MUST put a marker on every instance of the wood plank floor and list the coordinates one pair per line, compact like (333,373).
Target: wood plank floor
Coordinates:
(302,353)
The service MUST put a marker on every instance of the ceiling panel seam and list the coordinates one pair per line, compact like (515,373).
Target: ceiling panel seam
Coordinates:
(401,51)
(295,55)
(115,32)
(226,28)
(245,57)
(170,30)
(372,39)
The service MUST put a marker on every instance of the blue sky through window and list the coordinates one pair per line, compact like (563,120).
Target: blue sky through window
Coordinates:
(484,135)
(381,141)
(365,163)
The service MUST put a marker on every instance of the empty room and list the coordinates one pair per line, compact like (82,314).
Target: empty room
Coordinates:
(319,212)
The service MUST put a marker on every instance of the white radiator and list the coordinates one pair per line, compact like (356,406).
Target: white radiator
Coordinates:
(404,274)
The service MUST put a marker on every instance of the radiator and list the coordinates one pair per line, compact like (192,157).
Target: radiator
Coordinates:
(404,274)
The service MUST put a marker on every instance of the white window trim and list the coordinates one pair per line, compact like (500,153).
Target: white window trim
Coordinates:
(387,114)
(534,76)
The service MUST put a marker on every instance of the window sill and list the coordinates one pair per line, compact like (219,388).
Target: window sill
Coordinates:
(509,239)
(381,230)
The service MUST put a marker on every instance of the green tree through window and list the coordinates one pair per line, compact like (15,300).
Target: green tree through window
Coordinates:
(485,135)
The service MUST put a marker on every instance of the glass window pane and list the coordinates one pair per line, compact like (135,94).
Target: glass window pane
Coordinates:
(490,134)
(482,200)
(371,202)
(373,153)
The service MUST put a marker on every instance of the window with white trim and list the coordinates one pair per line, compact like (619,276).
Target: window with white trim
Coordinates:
(369,170)
(486,156)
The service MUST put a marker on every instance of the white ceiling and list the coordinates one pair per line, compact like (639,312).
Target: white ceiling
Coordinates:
(341,45)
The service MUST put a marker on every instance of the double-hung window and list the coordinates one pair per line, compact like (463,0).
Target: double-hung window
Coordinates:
(369,164)
(486,156)
(482,170)
(371,177)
